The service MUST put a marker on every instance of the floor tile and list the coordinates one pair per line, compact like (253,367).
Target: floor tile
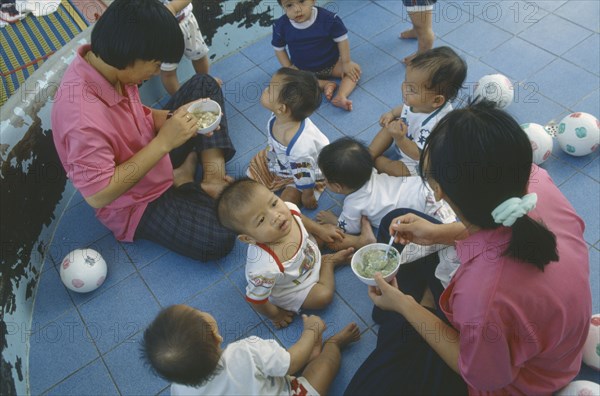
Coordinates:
(364,56)
(354,293)
(448,16)
(230,110)
(565,91)
(371,12)
(529,105)
(231,67)
(530,59)
(219,300)
(576,162)
(71,233)
(581,55)
(550,5)
(270,66)
(245,136)
(387,87)
(355,41)
(388,42)
(51,300)
(259,116)
(468,37)
(476,69)
(174,279)
(259,51)
(585,198)
(344,8)
(590,104)
(237,166)
(142,252)
(90,380)
(245,90)
(593,169)
(558,170)
(582,12)
(326,127)
(555,34)
(369,134)
(236,259)
(58,350)
(394,6)
(130,373)
(112,318)
(512,16)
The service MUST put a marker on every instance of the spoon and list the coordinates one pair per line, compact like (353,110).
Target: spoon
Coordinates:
(387,250)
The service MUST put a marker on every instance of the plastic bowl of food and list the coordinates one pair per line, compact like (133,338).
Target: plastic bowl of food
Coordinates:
(207,113)
(370,259)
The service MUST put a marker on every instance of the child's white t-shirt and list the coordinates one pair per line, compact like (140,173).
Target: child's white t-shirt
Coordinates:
(384,193)
(420,126)
(284,284)
(251,366)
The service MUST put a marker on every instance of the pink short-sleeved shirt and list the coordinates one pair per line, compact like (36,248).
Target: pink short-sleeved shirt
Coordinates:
(94,130)
(522,330)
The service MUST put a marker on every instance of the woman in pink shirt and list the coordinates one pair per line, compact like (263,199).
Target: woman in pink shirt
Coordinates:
(515,316)
(133,164)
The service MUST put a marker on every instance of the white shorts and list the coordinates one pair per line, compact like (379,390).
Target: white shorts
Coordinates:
(195,47)
(301,386)
(419,8)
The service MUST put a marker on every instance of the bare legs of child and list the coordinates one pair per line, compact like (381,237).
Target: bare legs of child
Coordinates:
(214,177)
(186,172)
(322,292)
(328,88)
(365,237)
(321,370)
(422,30)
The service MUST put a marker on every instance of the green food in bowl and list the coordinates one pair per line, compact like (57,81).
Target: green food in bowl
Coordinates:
(377,260)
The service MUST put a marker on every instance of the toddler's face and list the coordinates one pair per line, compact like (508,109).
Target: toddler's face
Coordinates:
(270,96)
(298,10)
(415,92)
(265,218)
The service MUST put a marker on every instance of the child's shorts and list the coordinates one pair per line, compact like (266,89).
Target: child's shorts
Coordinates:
(301,386)
(195,47)
(418,5)
(325,73)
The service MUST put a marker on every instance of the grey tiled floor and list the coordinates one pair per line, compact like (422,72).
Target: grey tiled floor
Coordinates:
(88,344)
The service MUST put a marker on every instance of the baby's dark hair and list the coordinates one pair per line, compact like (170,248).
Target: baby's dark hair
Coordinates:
(231,199)
(481,157)
(180,346)
(446,69)
(300,92)
(346,161)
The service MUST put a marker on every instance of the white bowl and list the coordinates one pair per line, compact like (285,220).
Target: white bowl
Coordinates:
(207,105)
(357,258)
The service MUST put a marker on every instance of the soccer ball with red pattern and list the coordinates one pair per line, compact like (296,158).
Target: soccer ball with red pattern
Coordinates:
(579,134)
(496,88)
(541,142)
(83,270)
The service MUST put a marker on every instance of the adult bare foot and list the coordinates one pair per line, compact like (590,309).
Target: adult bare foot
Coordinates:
(342,102)
(349,334)
(329,89)
(327,217)
(408,34)
(214,187)
(409,58)
(186,171)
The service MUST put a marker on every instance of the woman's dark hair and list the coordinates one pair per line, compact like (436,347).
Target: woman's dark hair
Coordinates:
(131,30)
(447,70)
(346,161)
(300,92)
(179,345)
(481,157)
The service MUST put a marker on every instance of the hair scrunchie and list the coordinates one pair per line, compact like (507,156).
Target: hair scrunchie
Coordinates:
(513,208)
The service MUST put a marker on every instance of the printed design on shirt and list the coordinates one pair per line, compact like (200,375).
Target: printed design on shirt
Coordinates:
(423,135)
(297,388)
(273,162)
(308,263)
(342,224)
(262,286)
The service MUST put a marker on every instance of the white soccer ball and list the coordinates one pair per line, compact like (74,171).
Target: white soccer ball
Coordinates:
(83,270)
(591,348)
(496,88)
(580,388)
(541,142)
(579,134)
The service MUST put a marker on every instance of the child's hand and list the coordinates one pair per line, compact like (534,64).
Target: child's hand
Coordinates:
(397,129)
(351,70)
(314,323)
(386,118)
(308,200)
(282,319)
(329,233)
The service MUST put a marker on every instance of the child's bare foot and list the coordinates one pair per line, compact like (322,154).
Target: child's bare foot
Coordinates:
(366,236)
(186,171)
(349,334)
(327,217)
(213,187)
(329,89)
(342,102)
(341,257)
(425,44)
(408,34)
